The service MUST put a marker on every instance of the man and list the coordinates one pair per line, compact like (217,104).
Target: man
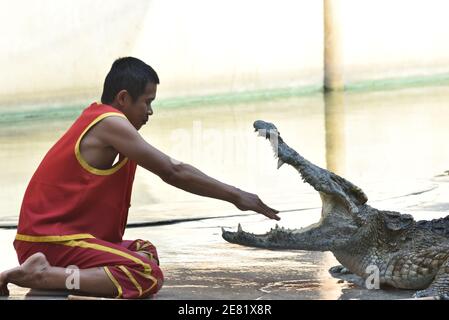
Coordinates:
(75,208)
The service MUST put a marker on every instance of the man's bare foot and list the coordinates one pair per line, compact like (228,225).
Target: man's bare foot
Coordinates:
(3,285)
(28,275)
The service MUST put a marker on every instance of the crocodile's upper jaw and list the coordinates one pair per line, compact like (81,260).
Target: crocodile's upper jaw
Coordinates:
(270,132)
(320,179)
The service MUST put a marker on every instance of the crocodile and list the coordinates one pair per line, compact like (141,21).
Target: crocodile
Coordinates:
(404,253)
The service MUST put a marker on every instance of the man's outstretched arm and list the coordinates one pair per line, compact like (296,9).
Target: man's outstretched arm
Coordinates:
(191,179)
(122,136)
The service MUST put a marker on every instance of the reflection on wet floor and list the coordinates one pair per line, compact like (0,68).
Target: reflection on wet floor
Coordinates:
(334,109)
(391,144)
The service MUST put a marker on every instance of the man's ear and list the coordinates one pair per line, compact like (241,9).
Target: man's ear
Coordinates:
(123,98)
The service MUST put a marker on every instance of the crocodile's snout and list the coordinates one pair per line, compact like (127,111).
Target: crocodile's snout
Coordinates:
(265,128)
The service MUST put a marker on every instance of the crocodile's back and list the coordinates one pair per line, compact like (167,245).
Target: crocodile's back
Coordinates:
(439,226)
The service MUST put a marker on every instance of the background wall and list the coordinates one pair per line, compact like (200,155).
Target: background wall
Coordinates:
(55,48)
(384,39)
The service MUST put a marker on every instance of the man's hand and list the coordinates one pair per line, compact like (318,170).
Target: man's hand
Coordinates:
(249,201)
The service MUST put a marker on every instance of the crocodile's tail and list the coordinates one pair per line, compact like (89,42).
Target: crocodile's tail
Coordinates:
(439,226)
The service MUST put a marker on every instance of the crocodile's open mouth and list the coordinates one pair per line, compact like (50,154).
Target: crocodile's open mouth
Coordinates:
(337,194)
(270,132)
(280,235)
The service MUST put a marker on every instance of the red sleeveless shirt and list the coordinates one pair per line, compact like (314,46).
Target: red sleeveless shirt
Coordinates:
(69,199)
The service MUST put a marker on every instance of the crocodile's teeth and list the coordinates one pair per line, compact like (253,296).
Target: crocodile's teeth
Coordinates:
(239,228)
(280,163)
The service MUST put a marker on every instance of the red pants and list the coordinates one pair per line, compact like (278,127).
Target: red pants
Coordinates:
(134,276)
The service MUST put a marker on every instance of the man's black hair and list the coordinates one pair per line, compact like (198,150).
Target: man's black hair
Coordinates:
(130,74)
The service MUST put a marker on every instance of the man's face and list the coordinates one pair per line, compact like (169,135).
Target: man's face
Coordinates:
(139,111)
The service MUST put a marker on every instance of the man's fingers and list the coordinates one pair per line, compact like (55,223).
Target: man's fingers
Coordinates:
(271,209)
(270,214)
(268,208)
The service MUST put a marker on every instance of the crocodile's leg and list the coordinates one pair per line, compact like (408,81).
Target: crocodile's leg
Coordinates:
(339,270)
(440,285)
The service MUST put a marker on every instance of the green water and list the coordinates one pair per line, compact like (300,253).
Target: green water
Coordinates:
(390,143)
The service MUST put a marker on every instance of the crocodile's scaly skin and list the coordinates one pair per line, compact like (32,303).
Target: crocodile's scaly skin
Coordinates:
(407,254)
